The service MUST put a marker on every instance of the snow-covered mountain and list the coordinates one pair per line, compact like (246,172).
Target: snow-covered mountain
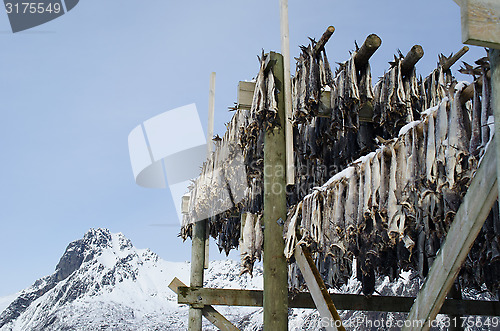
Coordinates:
(103,282)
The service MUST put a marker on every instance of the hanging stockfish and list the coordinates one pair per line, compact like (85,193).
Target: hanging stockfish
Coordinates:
(351,212)
(486,110)
(386,209)
(387,206)
(316,228)
(314,81)
(312,76)
(299,83)
(247,243)
(476,129)
(291,232)
(259,238)
(395,97)
(325,70)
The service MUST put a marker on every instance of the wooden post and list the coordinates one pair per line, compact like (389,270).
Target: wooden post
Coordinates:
(285,50)
(210,144)
(469,219)
(275,266)
(197,269)
(211,110)
(494,55)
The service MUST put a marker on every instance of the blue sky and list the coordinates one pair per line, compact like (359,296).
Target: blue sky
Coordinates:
(71,91)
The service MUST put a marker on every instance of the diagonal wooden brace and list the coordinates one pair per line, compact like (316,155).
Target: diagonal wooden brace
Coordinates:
(208,311)
(317,288)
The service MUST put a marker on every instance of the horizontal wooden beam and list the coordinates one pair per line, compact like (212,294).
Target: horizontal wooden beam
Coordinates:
(411,58)
(365,52)
(320,45)
(455,57)
(468,92)
(469,219)
(253,298)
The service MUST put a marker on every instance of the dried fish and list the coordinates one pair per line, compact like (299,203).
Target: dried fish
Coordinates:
(386,206)
(476,140)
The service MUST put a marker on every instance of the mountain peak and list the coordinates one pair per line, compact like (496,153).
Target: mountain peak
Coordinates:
(103,282)
(99,237)
(89,265)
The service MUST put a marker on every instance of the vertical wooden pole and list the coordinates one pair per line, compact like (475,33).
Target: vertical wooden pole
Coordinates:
(494,55)
(210,135)
(211,110)
(285,50)
(275,266)
(197,264)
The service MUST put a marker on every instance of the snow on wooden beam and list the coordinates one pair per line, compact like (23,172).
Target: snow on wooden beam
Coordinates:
(468,221)
(208,311)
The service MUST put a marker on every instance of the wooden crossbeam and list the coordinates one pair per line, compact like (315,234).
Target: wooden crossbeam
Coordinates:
(469,219)
(480,22)
(208,311)
(317,288)
(357,302)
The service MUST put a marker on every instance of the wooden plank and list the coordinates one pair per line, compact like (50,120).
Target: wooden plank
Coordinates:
(357,302)
(275,265)
(245,94)
(317,288)
(220,297)
(285,50)
(480,22)
(209,312)
(469,219)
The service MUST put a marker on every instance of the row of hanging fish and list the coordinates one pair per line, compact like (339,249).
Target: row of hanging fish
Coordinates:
(231,179)
(392,211)
(392,207)
(353,117)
